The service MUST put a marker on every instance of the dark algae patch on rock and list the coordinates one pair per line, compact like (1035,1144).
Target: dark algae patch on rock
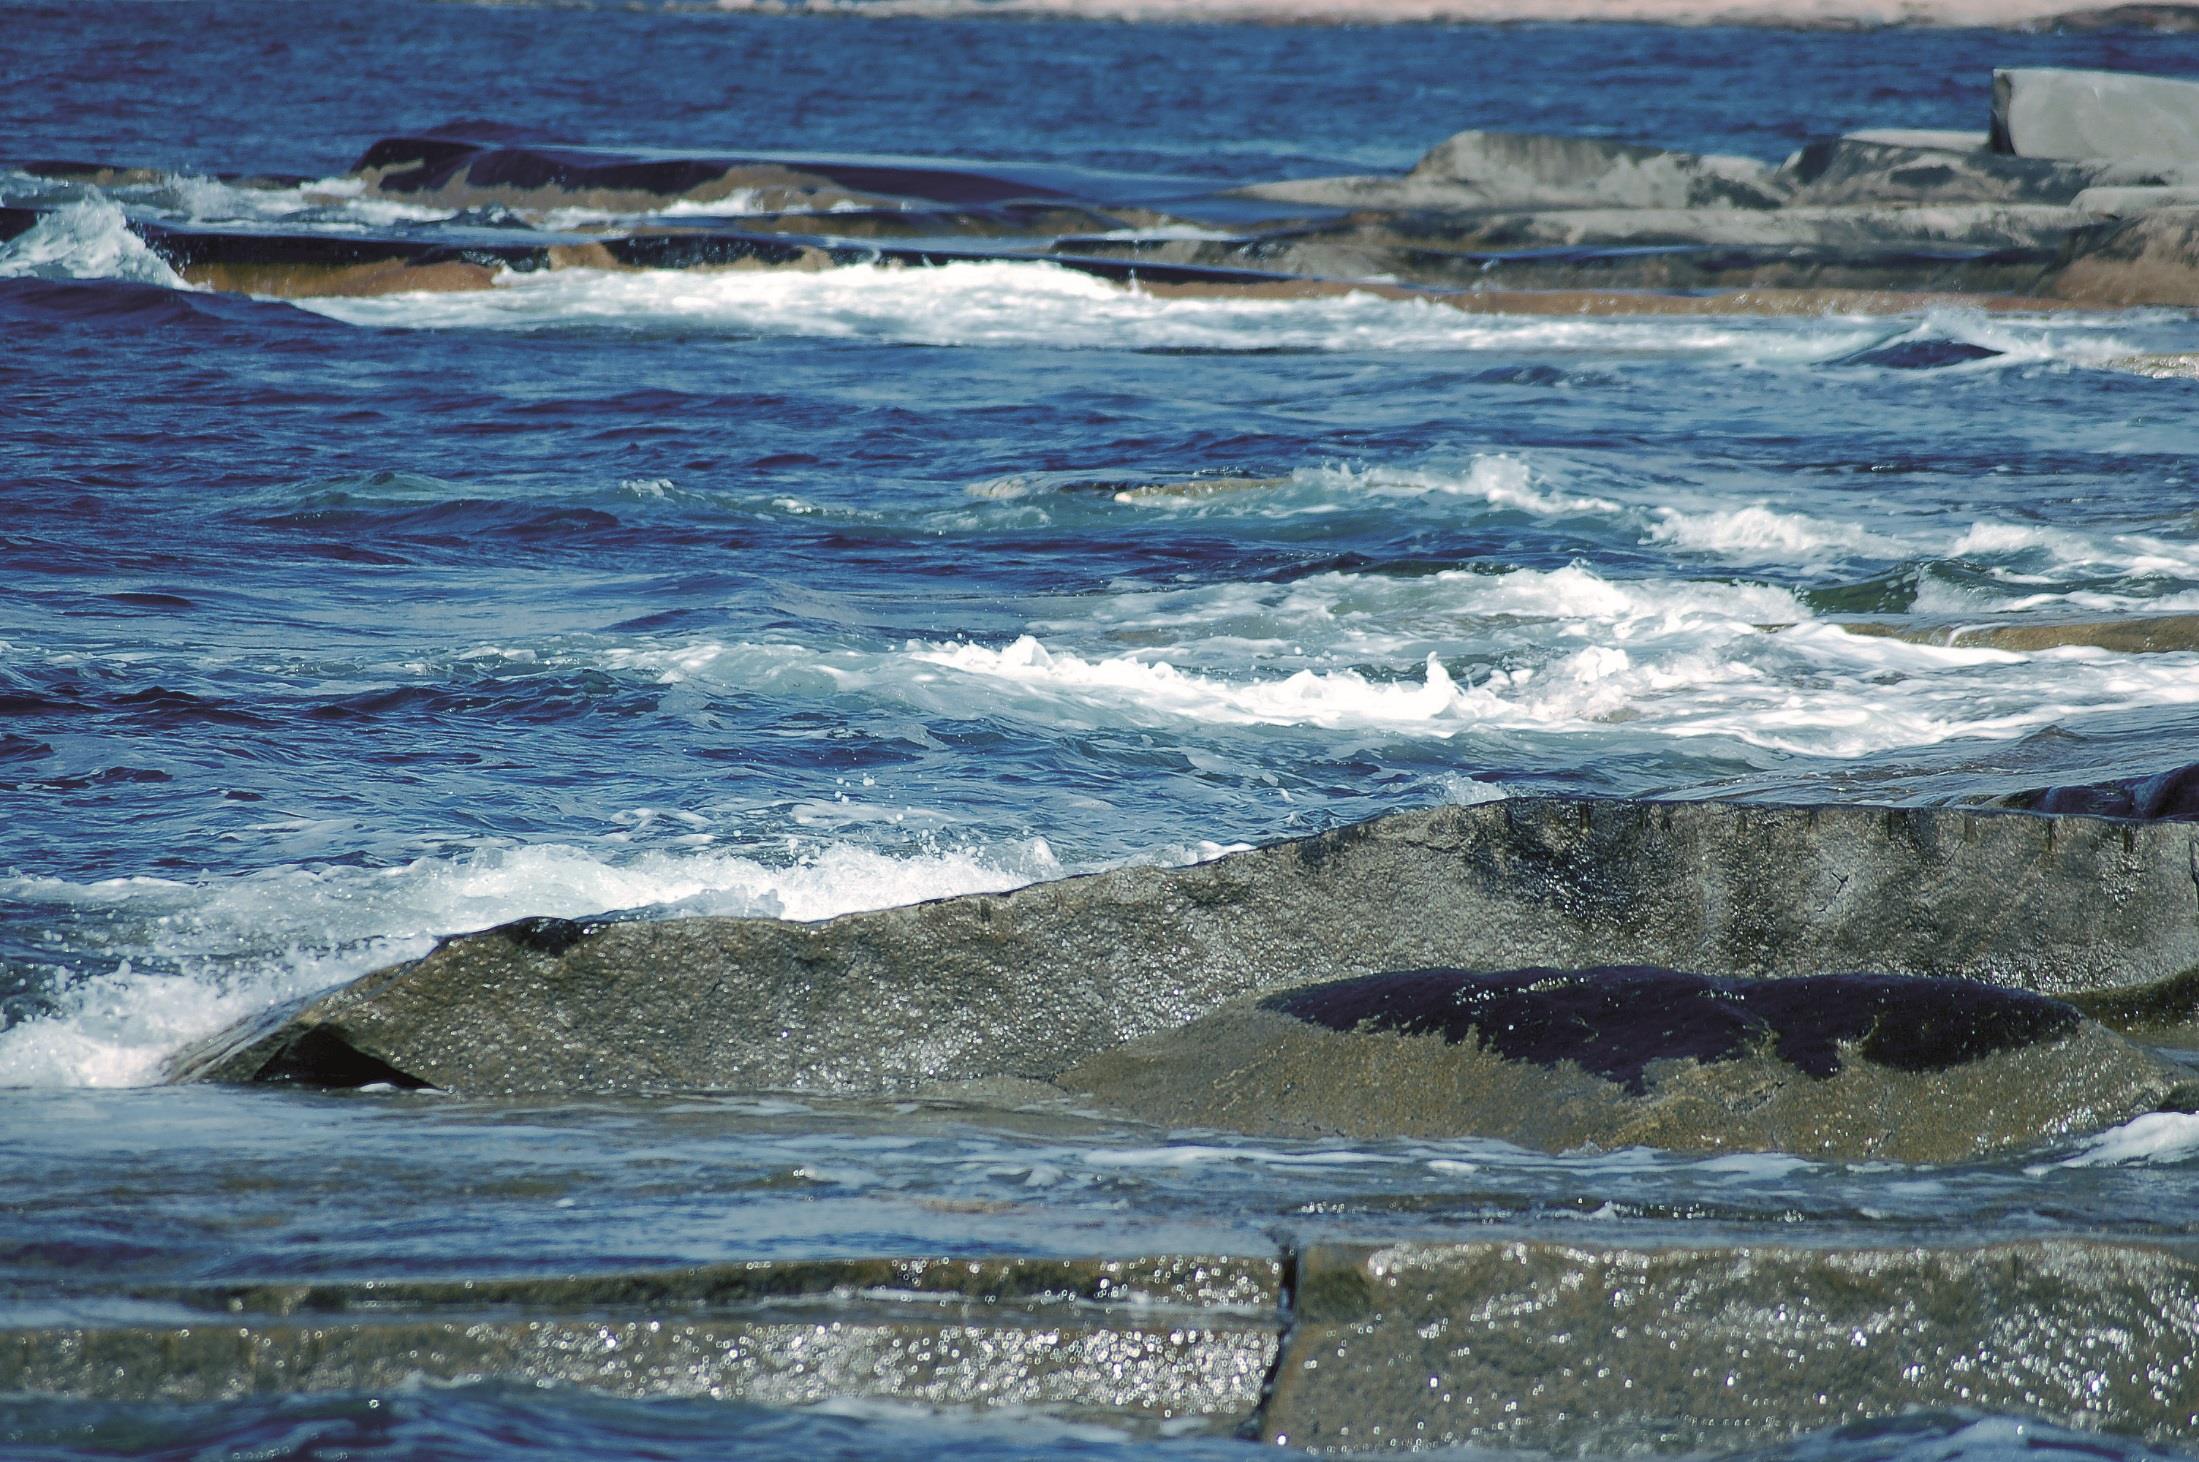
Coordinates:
(1845,1066)
(1615,1022)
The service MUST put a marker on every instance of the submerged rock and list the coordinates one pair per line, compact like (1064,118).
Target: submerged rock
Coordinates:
(1846,1066)
(2138,634)
(2173,793)
(1601,1349)
(1181,1340)
(1603,1346)
(2054,113)
(1027,984)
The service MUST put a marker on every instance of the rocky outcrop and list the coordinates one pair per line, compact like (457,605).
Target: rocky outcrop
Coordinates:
(2103,217)
(1029,983)
(1529,170)
(1842,1066)
(2052,113)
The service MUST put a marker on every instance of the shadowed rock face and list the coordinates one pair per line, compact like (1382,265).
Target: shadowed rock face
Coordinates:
(1847,1066)
(1028,984)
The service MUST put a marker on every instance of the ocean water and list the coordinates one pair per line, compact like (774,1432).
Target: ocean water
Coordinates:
(329,628)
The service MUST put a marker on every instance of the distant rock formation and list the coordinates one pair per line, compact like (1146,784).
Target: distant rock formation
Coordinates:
(2083,192)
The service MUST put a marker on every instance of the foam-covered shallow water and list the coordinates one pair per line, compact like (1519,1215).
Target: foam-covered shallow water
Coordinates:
(329,628)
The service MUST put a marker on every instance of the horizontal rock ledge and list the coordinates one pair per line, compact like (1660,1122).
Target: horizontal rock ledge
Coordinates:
(1024,985)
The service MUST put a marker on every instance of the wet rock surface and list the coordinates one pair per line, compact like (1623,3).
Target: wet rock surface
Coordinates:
(1027,984)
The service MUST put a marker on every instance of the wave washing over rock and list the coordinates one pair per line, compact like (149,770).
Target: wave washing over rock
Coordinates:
(930,732)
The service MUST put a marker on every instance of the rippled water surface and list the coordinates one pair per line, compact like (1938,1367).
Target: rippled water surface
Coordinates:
(330,628)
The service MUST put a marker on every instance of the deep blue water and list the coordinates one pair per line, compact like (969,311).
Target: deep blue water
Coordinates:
(327,631)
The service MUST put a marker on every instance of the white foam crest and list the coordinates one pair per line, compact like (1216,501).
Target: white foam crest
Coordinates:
(2023,340)
(1025,303)
(88,239)
(204,955)
(1760,531)
(120,1028)
(1811,689)
(2156,1137)
(1363,617)
(2127,555)
(1936,595)
(737,203)
(1142,690)
(1501,482)
(338,201)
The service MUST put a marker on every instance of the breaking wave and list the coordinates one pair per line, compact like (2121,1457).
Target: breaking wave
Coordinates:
(196,956)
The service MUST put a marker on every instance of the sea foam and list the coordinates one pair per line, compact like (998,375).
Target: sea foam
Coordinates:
(198,956)
(90,239)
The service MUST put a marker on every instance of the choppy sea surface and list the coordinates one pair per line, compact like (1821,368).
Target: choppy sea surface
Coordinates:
(331,627)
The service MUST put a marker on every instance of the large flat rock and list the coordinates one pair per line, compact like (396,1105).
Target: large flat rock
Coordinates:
(1027,984)
(2053,113)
